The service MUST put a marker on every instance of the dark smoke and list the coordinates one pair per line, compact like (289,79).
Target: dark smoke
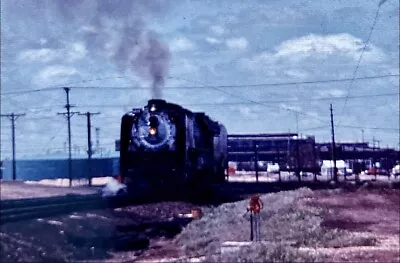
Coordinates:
(117,30)
(153,61)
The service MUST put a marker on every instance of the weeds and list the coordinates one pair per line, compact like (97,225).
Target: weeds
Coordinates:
(264,253)
(281,221)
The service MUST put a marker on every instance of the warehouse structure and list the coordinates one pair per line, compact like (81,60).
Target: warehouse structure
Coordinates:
(291,152)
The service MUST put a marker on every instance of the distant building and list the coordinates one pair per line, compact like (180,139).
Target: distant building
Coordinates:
(287,149)
(359,152)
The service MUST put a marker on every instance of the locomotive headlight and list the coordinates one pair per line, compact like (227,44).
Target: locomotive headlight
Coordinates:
(153,108)
(153,131)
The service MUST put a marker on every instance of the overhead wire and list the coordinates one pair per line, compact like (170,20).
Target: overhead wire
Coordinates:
(205,85)
(360,58)
(247,103)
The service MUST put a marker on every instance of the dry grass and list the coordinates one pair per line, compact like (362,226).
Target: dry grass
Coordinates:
(266,253)
(282,220)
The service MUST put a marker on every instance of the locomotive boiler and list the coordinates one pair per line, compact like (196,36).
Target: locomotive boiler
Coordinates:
(165,146)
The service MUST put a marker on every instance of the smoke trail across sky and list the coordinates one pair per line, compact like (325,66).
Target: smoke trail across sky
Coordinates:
(117,30)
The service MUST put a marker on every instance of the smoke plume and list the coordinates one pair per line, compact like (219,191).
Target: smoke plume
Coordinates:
(117,30)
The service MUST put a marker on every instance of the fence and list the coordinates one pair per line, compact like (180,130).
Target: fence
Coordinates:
(52,169)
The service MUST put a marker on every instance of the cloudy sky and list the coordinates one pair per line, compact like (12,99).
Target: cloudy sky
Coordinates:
(256,66)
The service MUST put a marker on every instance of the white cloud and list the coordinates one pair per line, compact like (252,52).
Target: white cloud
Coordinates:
(240,43)
(54,74)
(290,108)
(324,45)
(296,73)
(76,51)
(87,29)
(315,53)
(182,44)
(212,40)
(184,66)
(247,113)
(72,52)
(336,92)
(42,41)
(217,29)
(43,55)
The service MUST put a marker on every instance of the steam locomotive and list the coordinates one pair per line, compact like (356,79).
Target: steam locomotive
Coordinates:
(165,146)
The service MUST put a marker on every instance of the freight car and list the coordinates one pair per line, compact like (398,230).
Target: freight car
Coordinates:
(165,146)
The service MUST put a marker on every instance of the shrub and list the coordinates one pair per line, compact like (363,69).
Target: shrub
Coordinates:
(282,220)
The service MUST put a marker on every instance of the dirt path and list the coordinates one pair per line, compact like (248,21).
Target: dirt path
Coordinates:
(372,212)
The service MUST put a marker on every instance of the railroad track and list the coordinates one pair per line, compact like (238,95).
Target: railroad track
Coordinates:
(16,210)
(24,209)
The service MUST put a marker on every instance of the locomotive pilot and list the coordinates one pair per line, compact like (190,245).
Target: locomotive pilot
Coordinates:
(254,207)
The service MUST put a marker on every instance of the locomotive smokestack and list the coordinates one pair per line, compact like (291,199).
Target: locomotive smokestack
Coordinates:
(156,92)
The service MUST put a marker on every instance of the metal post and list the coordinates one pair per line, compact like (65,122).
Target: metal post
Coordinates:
(256,159)
(335,177)
(14,165)
(97,139)
(362,135)
(89,149)
(298,159)
(373,156)
(279,166)
(314,161)
(251,226)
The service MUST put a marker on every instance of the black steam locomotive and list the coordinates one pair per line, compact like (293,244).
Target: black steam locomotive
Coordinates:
(165,146)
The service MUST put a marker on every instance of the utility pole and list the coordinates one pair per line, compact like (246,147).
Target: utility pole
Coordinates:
(89,152)
(13,117)
(69,114)
(333,148)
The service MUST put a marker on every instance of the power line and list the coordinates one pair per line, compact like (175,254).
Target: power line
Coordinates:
(208,86)
(360,58)
(247,103)
(52,138)
(371,128)
(352,127)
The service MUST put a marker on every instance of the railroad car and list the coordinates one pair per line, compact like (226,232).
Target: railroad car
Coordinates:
(165,146)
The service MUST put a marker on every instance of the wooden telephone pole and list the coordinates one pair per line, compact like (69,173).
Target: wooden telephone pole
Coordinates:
(13,117)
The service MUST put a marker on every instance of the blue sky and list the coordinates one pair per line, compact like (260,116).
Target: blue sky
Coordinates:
(207,44)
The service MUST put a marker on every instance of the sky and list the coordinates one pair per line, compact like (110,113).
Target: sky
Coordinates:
(256,66)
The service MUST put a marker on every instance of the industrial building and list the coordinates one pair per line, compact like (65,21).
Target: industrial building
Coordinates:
(287,149)
(291,152)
